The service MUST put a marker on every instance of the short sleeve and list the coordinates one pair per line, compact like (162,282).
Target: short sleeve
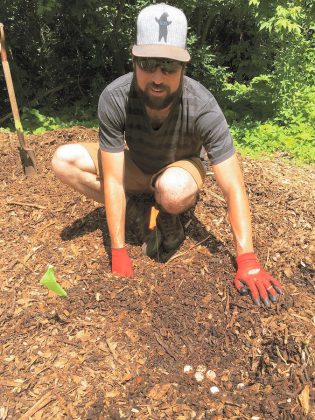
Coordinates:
(111,116)
(213,130)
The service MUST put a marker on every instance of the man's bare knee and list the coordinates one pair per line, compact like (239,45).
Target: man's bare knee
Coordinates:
(176,190)
(60,160)
(69,158)
(74,166)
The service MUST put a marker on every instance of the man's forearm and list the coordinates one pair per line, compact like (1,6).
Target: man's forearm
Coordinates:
(240,219)
(230,179)
(115,200)
(115,207)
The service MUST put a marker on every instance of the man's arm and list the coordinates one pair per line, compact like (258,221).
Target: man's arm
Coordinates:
(115,207)
(115,201)
(230,179)
(250,274)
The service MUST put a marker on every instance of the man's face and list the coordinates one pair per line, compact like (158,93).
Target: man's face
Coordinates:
(158,87)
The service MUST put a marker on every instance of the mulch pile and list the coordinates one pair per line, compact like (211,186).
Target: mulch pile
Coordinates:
(117,348)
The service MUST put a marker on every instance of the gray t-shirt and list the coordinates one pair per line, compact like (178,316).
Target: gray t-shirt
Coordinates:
(196,120)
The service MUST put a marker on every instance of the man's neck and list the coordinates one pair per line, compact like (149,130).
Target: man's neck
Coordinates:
(158,116)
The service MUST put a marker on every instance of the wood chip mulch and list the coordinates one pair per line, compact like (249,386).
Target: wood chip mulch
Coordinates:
(116,348)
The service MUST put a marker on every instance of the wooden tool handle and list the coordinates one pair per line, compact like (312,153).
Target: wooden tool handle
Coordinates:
(9,83)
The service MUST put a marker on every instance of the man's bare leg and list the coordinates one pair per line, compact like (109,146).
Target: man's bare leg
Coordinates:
(74,166)
(176,190)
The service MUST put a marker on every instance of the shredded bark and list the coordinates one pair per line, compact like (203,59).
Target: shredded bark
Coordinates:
(117,348)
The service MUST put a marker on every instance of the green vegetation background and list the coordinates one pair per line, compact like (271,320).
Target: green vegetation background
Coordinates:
(256,56)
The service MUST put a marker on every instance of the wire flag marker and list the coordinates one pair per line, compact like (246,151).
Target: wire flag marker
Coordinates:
(153,215)
(49,280)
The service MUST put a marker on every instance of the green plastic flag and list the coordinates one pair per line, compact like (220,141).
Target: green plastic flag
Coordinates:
(49,280)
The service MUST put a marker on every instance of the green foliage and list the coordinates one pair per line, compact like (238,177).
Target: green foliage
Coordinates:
(294,142)
(284,22)
(275,112)
(204,68)
(251,101)
(294,81)
(45,7)
(256,56)
(35,122)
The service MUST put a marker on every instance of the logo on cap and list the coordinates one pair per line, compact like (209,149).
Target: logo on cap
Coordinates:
(163,24)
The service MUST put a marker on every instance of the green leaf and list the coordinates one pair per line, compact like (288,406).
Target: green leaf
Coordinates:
(264,25)
(49,280)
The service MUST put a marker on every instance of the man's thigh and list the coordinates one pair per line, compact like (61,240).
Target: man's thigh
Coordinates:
(137,181)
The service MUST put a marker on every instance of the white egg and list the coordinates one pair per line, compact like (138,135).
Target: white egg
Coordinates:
(211,375)
(214,390)
(199,376)
(201,368)
(188,369)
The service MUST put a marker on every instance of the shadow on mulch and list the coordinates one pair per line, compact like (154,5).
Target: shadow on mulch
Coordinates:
(96,219)
(89,223)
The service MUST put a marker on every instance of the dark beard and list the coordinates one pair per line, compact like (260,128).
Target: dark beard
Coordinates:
(157,103)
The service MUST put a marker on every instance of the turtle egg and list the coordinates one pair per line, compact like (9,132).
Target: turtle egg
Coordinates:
(201,368)
(199,376)
(211,375)
(188,369)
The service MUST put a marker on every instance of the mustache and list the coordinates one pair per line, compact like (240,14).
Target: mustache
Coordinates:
(160,86)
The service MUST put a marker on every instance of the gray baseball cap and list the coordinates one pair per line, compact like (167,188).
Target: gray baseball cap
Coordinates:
(161,32)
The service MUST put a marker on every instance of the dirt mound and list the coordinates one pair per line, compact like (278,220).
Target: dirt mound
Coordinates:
(117,348)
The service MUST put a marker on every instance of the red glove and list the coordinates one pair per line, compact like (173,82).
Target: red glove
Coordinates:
(250,275)
(121,262)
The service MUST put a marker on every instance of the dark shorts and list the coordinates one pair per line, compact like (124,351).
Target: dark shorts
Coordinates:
(137,181)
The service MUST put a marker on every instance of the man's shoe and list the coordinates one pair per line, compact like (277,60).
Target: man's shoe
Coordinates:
(137,220)
(172,230)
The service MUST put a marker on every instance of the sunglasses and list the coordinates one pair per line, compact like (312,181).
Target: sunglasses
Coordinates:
(149,65)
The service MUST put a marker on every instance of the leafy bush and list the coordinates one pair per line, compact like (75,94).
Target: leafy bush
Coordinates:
(35,122)
(251,101)
(204,68)
(294,142)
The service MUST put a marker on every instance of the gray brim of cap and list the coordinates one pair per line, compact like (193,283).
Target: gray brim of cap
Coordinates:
(161,51)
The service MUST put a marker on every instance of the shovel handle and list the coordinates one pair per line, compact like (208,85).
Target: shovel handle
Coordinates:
(9,83)
(27,155)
